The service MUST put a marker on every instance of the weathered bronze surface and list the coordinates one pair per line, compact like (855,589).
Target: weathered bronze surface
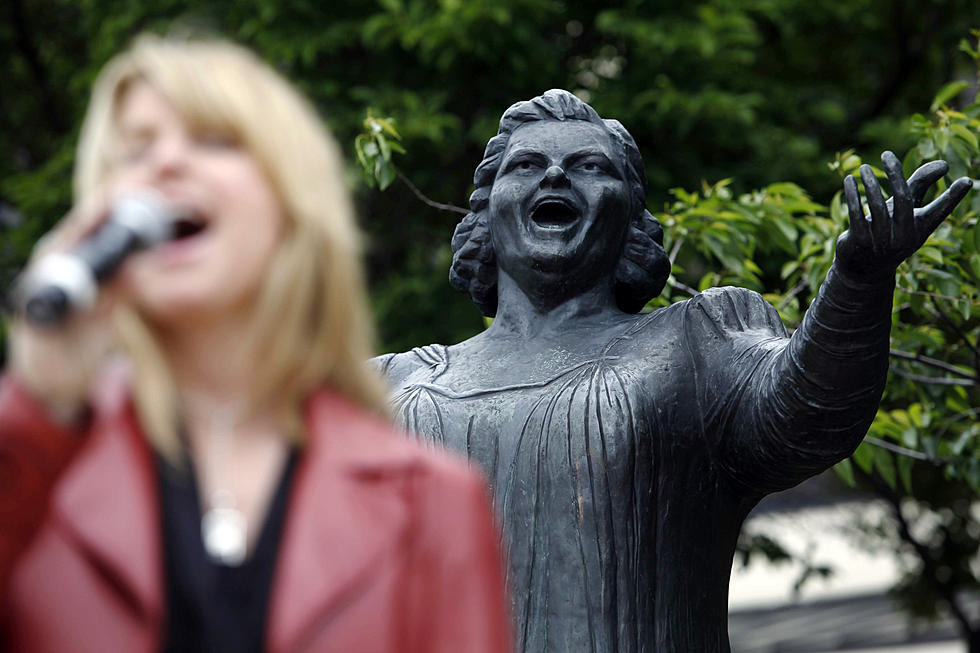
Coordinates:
(625,449)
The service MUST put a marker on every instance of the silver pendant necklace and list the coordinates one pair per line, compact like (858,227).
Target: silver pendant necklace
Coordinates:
(224,528)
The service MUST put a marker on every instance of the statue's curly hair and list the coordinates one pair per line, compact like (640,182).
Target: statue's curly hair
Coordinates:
(643,267)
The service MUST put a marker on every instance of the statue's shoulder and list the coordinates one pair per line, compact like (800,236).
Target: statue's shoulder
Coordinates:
(728,309)
(399,368)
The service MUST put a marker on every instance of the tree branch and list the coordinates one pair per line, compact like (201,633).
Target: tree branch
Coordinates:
(973,412)
(940,313)
(925,360)
(675,249)
(420,195)
(797,289)
(935,380)
(930,570)
(927,293)
(683,286)
(902,451)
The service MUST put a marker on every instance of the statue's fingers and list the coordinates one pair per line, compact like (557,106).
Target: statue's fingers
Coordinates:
(903,225)
(929,217)
(858,224)
(880,220)
(901,196)
(924,177)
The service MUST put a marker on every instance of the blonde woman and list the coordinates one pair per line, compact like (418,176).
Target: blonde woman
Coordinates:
(197,463)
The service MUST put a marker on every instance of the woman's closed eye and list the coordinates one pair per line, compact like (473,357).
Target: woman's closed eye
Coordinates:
(216,139)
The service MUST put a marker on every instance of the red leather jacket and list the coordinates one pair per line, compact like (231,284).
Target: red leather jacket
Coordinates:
(386,546)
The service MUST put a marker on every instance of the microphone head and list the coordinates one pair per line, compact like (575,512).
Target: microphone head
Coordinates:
(53,285)
(48,306)
(147,214)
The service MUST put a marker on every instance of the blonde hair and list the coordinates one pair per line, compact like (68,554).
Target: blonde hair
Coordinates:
(313,326)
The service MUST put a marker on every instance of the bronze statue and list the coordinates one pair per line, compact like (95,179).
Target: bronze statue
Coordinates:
(625,450)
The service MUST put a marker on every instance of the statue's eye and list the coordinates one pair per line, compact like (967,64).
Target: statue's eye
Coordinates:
(590,165)
(525,163)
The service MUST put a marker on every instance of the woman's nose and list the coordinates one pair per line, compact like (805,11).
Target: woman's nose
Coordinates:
(555,177)
(170,156)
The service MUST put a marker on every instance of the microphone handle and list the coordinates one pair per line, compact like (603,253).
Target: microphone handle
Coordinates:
(107,248)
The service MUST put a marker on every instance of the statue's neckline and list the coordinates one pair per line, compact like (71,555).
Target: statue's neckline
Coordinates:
(438,358)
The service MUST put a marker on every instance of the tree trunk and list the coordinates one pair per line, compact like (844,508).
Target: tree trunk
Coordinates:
(973,640)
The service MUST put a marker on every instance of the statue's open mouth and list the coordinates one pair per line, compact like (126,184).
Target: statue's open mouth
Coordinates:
(553,213)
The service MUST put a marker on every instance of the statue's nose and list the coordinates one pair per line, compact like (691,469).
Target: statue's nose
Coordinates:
(555,177)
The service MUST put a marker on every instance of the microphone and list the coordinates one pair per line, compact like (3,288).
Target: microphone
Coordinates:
(61,283)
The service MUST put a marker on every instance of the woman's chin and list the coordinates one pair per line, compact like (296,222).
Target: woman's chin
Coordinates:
(176,311)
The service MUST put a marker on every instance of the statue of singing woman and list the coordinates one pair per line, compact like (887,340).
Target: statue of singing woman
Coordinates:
(626,449)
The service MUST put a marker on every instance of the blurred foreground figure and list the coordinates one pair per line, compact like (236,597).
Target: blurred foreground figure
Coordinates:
(625,450)
(197,464)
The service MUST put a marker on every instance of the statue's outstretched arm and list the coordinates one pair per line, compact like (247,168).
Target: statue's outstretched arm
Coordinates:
(815,399)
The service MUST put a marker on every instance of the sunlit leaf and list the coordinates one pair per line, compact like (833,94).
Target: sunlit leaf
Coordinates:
(947,92)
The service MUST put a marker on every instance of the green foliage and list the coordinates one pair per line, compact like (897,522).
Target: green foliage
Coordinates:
(923,450)
(374,147)
(775,240)
(710,90)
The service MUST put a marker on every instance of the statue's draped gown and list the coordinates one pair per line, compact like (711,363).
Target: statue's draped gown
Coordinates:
(622,481)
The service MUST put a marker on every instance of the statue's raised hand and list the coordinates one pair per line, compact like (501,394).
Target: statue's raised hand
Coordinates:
(894,229)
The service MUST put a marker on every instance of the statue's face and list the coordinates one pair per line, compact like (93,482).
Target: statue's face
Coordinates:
(560,202)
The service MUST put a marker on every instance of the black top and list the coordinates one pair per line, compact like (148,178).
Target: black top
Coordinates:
(211,607)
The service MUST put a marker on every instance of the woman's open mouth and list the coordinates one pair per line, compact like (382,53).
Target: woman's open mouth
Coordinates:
(188,226)
(553,213)
(190,241)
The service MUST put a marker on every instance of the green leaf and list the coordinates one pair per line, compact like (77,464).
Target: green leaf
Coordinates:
(946,93)
(885,466)
(386,175)
(388,125)
(905,464)
(359,151)
(973,474)
(964,438)
(684,196)
(931,254)
(927,148)
(863,457)
(383,146)
(845,471)
(975,266)
(965,134)
(910,437)
(964,46)
(915,414)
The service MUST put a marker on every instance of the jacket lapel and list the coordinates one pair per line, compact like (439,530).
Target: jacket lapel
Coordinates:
(347,511)
(107,502)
